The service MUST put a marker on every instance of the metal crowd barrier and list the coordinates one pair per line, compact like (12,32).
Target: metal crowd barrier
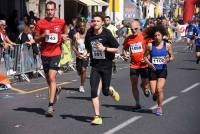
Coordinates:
(21,60)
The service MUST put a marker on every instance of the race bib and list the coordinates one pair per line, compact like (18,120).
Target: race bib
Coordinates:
(81,47)
(51,38)
(190,33)
(97,54)
(158,60)
(136,48)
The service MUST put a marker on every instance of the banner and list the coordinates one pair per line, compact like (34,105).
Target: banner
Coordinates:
(181,29)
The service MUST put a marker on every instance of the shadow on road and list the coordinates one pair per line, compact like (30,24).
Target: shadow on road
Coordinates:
(80,98)
(39,111)
(71,89)
(190,69)
(77,117)
(80,118)
(129,108)
(190,60)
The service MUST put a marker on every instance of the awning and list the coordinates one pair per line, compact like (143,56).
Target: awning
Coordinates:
(89,2)
(101,2)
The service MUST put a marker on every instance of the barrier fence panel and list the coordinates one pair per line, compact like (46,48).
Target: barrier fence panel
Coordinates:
(21,60)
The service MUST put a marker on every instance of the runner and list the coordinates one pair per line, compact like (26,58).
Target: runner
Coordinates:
(189,32)
(160,53)
(113,30)
(102,47)
(49,34)
(197,42)
(135,43)
(79,49)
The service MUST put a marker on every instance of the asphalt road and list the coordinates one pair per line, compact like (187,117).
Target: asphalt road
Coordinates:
(23,112)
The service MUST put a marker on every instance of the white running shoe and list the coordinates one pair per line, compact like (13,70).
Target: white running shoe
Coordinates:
(11,72)
(50,111)
(81,89)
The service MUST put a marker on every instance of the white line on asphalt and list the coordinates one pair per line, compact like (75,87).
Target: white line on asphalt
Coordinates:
(190,87)
(165,102)
(133,119)
(126,123)
(175,53)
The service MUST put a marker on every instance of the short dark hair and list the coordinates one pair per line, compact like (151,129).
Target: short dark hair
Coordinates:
(51,3)
(107,17)
(98,14)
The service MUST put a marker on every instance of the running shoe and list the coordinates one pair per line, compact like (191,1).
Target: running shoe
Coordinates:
(137,107)
(114,94)
(81,89)
(197,61)
(147,92)
(97,120)
(159,111)
(154,97)
(58,90)
(114,69)
(50,111)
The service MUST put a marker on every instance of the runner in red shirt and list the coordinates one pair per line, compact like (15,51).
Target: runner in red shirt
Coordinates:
(134,46)
(49,35)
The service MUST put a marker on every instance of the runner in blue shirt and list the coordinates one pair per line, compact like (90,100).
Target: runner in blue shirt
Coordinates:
(189,32)
(197,42)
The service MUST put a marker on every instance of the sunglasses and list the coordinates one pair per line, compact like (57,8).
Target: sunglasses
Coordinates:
(3,25)
(134,29)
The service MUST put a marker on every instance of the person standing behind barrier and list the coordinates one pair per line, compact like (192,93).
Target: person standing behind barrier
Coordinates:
(113,30)
(7,44)
(26,36)
(102,47)
(134,46)
(49,35)
(160,53)
(79,49)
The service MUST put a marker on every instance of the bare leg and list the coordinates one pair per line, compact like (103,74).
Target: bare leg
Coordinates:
(95,102)
(160,86)
(52,85)
(135,92)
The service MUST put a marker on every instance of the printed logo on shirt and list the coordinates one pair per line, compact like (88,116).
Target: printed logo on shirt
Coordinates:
(57,29)
(136,48)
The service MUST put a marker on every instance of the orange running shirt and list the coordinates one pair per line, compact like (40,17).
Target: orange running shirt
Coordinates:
(136,47)
(52,45)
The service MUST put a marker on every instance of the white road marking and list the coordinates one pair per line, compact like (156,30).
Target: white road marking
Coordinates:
(126,123)
(135,118)
(190,87)
(165,102)
(175,53)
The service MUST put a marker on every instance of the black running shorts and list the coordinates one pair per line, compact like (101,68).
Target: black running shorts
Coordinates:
(50,63)
(154,75)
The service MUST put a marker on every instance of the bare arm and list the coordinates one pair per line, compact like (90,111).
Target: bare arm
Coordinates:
(146,56)
(126,54)
(39,38)
(170,56)
(102,48)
